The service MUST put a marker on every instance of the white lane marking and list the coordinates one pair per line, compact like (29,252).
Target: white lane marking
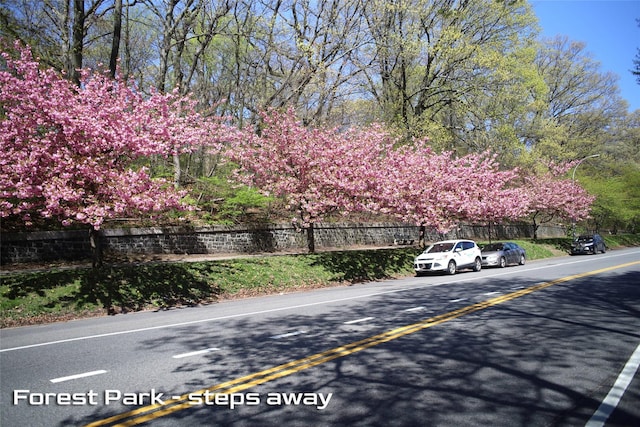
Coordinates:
(288,334)
(75,377)
(275,310)
(457,300)
(615,394)
(364,319)
(195,353)
(490,293)
(414,309)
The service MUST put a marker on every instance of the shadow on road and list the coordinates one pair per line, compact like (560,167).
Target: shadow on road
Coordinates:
(529,361)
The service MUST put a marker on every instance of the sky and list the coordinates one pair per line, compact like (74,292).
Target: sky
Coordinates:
(607,27)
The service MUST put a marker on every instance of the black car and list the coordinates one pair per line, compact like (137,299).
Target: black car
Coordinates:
(588,244)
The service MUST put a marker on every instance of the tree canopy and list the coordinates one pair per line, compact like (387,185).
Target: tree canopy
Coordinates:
(472,76)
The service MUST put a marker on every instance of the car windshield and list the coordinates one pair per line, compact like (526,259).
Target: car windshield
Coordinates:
(584,239)
(440,247)
(493,247)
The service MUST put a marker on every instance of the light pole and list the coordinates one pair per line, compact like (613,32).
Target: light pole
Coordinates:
(573,179)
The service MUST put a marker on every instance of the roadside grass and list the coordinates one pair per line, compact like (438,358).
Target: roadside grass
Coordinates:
(41,297)
(621,240)
(64,294)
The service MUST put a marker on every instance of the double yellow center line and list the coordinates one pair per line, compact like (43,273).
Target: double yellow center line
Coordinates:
(150,412)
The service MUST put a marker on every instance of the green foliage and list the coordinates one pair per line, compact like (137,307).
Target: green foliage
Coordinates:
(617,206)
(464,91)
(576,116)
(224,202)
(550,141)
(237,208)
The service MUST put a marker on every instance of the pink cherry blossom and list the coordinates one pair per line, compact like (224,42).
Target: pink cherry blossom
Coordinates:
(68,152)
(553,196)
(316,171)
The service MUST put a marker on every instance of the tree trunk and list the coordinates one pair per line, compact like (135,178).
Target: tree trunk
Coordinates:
(177,170)
(115,44)
(96,248)
(78,40)
(421,236)
(489,232)
(311,241)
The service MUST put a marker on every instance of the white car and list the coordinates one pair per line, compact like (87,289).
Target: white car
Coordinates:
(449,256)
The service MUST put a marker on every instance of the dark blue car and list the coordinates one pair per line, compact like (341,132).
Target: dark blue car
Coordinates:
(588,244)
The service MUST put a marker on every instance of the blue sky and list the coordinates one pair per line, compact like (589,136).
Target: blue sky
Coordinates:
(607,27)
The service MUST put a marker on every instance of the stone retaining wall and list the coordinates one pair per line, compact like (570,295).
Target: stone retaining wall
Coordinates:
(74,245)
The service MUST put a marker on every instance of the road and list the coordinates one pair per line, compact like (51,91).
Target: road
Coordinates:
(553,342)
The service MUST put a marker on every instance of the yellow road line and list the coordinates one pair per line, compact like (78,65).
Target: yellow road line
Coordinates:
(150,412)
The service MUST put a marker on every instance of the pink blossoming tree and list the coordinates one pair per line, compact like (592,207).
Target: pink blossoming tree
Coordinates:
(317,172)
(491,196)
(321,172)
(68,152)
(552,195)
(440,191)
(419,187)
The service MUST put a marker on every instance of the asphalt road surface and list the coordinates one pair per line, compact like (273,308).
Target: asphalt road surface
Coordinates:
(551,343)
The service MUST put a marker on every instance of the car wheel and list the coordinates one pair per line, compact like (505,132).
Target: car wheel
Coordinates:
(604,249)
(503,262)
(451,267)
(522,260)
(477,266)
